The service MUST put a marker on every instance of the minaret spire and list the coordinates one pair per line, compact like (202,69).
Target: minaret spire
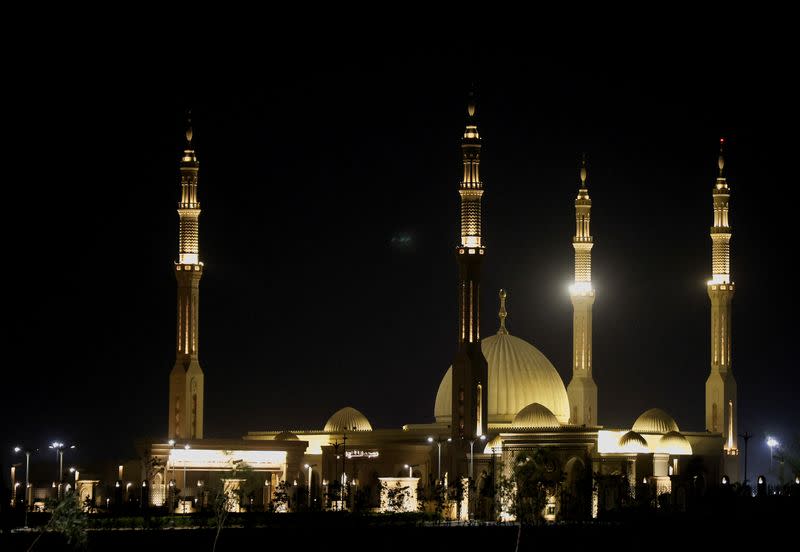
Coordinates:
(503,314)
(582,390)
(186,378)
(471,188)
(470,371)
(721,386)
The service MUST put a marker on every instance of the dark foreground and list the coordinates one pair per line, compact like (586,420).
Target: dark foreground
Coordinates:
(349,533)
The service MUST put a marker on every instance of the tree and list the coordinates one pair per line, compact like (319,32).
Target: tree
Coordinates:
(280,499)
(397,496)
(536,476)
(228,497)
(68,518)
(152,466)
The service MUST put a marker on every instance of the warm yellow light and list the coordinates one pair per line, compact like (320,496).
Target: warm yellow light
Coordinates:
(581,288)
(218,459)
(471,132)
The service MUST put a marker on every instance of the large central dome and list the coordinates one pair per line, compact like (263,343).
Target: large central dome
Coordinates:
(519,374)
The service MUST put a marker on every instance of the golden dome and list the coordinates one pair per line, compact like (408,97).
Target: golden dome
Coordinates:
(495,446)
(634,443)
(535,416)
(347,419)
(655,420)
(674,443)
(519,375)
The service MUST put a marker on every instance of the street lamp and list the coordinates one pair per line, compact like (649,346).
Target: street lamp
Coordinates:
(309,467)
(439,442)
(185,447)
(771,443)
(73,470)
(471,444)
(746,436)
(59,448)
(410,468)
(27,479)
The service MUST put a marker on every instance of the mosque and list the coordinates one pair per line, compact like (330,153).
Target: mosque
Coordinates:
(499,404)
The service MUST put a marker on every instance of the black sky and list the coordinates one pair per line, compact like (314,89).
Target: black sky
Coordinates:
(328,185)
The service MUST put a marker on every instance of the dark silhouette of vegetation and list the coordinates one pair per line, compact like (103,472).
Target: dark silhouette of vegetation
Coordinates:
(397,496)
(68,518)
(536,477)
(229,498)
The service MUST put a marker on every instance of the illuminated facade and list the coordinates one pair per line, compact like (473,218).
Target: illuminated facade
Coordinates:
(721,386)
(186,378)
(582,390)
(499,402)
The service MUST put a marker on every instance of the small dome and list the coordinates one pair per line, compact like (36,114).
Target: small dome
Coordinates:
(535,416)
(634,443)
(655,420)
(347,419)
(674,443)
(286,436)
(519,375)
(495,446)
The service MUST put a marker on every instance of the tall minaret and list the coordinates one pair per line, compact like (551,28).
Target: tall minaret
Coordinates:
(721,386)
(470,371)
(186,378)
(582,390)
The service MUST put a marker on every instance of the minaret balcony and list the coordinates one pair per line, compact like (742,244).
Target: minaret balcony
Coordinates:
(720,282)
(189,267)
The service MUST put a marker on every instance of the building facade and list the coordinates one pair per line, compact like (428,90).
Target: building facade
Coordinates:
(501,407)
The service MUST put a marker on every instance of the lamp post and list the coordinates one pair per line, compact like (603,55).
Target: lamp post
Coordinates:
(73,470)
(471,444)
(27,479)
(344,471)
(183,507)
(771,443)
(309,467)
(336,446)
(410,469)
(746,436)
(59,448)
(170,495)
(439,442)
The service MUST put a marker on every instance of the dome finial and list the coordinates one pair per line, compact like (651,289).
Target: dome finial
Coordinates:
(583,170)
(471,101)
(189,127)
(721,159)
(502,314)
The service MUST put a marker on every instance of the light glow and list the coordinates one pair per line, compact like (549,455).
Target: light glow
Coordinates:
(718,279)
(581,288)
(361,454)
(219,459)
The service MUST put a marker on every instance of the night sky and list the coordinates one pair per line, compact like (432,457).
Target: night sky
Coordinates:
(328,183)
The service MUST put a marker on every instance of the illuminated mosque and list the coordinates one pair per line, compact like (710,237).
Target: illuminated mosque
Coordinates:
(500,398)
